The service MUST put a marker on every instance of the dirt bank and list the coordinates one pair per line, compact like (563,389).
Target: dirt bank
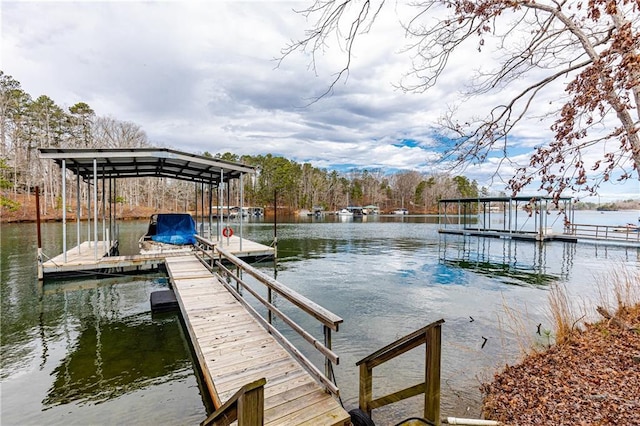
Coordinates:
(22,208)
(594,379)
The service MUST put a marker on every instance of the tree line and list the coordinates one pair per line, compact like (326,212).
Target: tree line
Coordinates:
(27,124)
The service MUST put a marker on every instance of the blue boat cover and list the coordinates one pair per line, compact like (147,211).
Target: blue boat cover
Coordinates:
(175,228)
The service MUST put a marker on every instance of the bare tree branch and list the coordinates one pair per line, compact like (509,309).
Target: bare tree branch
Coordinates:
(592,48)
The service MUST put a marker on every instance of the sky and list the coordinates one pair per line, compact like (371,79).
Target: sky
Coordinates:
(204,76)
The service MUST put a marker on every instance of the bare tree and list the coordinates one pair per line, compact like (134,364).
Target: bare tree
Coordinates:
(404,187)
(591,48)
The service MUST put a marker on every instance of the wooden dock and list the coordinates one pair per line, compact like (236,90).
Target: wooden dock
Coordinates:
(493,233)
(83,259)
(233,349)
(246,248)
(597,234)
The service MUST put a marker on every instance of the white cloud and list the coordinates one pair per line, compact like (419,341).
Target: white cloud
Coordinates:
(201,76)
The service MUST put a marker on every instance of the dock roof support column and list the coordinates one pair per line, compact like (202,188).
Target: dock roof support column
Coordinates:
(104,212)
(95,208)
(195,196)
(89,211)
(241,209)
(210,211)
(202,208)
(78,236)
(64,210)
(221,204)
(228,208)
(510,229)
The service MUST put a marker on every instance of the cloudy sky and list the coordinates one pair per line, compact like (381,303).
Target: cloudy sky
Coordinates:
(203,76)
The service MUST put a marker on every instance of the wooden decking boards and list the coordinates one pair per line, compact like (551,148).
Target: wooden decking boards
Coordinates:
(233,349)
(83,259)
(249,248)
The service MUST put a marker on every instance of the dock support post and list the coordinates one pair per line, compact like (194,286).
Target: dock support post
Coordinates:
(104,214)
(64,210)
(241,210)
(210,212)
(78,239)
(510,229)
(95,208)
(40,271)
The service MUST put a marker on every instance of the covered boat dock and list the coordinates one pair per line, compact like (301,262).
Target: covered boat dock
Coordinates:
(529,218)
(497,217)
(100,170)
(253,374)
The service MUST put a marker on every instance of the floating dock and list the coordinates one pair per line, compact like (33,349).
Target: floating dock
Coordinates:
(83,259)
(473,217)
(234,349)
(525,236)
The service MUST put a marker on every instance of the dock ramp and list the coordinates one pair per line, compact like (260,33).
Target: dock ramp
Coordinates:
(233,349)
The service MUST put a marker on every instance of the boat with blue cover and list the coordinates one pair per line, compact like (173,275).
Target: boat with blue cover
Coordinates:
(168,232)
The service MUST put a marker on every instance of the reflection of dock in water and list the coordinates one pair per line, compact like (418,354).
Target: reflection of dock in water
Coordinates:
(252,372)
(106,361)
(508,260)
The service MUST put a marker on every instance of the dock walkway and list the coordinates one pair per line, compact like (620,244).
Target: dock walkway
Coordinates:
(233,349)
(83,259)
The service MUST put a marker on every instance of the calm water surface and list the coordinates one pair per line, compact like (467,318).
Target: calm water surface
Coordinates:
(90,351)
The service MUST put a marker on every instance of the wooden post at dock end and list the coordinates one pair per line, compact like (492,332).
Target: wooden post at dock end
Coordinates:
(246,406)
(366,388)
(433,340)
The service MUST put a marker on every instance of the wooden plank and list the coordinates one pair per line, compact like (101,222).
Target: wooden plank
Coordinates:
(276,388)
(280,368)
(304,411)
(231,363)
(334,417)
(239,348)
(397,396)
(432,375)
(235,349)
(290,392)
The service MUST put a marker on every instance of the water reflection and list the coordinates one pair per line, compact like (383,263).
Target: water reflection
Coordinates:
(509,261)
(110,358)
(88,351)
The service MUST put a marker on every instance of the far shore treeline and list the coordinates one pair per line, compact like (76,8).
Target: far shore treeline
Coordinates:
(28,124)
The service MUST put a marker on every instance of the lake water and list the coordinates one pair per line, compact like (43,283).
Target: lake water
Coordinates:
(90,351)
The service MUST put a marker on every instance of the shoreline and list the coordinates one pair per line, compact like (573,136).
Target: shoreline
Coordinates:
(592,378)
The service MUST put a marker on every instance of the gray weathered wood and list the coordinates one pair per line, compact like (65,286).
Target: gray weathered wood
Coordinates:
(233,349)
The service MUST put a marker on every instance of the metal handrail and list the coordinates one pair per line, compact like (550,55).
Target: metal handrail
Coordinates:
(604,232)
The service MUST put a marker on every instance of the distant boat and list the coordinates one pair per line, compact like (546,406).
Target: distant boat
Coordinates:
(168,232)
(370,209)
(401,211)
(351,211)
